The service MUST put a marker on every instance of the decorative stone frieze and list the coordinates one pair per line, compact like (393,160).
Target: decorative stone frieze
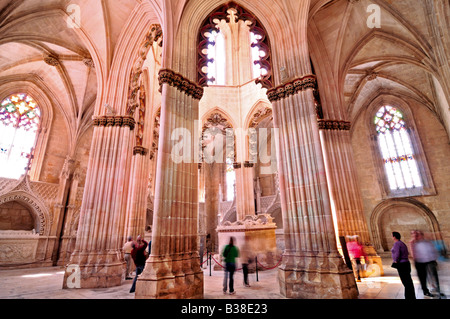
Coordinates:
(181,83)
(334,125)
(154,36)
(283,91)
(114,121)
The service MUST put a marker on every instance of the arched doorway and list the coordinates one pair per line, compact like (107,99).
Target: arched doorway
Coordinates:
(401,215)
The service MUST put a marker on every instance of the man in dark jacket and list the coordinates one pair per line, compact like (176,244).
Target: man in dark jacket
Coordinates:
(139,258)
(400,261)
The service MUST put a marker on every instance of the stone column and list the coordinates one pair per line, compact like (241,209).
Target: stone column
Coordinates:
(67,238)
(245,194)
(173,269)
(312,266)
(212,172)
(343,185)
(137,204)
(59,208)
(258,194)
(102,218)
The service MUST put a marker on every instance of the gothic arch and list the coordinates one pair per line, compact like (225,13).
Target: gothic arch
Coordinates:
(217,110)
(36,207)
(408,203)
(258,112)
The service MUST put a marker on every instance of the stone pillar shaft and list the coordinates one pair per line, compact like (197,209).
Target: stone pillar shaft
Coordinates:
(173,269)
(137,204)
(312,266)
(245,197)
(102,217)
(343,184)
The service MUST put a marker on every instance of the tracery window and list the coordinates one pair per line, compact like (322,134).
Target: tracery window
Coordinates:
(19,123)
(397,150)
(216,58)
(226,33)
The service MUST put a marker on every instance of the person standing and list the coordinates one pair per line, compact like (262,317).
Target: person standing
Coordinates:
(127,248)
(229,254)
(401,262)
(247,257)
(139,258)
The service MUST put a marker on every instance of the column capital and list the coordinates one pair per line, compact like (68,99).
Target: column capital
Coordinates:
(236,165)
(140,150)
(303,83)
(335,125)
(114,121)
(248,164)
(181,83)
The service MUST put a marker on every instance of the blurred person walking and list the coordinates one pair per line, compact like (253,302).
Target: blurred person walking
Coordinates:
(229,254)
(356,252)
(139,257)
(246,258)
(400,261)
(425,260)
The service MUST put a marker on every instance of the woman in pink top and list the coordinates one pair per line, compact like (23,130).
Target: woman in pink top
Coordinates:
(356,251)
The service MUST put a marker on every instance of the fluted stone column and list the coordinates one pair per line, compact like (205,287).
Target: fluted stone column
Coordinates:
(312,266)
(59,207)
(137,204)
(343,183)
(102,218)
(67,239)
(173,269)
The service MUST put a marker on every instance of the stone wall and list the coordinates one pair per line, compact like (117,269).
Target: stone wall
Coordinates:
(14,216)
(430,213)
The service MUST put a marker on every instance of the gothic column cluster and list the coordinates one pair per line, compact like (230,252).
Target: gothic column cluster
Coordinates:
(101,227)
(173,269)
(343,187)
(312,265)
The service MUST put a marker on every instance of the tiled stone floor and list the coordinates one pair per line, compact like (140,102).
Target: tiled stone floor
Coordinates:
(46,283)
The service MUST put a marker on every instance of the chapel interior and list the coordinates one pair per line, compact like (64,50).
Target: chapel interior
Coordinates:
(292,125)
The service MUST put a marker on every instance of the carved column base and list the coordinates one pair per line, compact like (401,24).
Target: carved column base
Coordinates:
(179,277)
(95,270)
(316,277)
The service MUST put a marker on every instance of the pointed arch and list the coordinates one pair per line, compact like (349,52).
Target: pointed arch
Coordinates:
(383,207)
(36,207)
(258,112)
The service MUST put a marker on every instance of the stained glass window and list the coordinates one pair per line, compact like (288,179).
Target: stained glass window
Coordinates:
(395,144)
(19,122)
